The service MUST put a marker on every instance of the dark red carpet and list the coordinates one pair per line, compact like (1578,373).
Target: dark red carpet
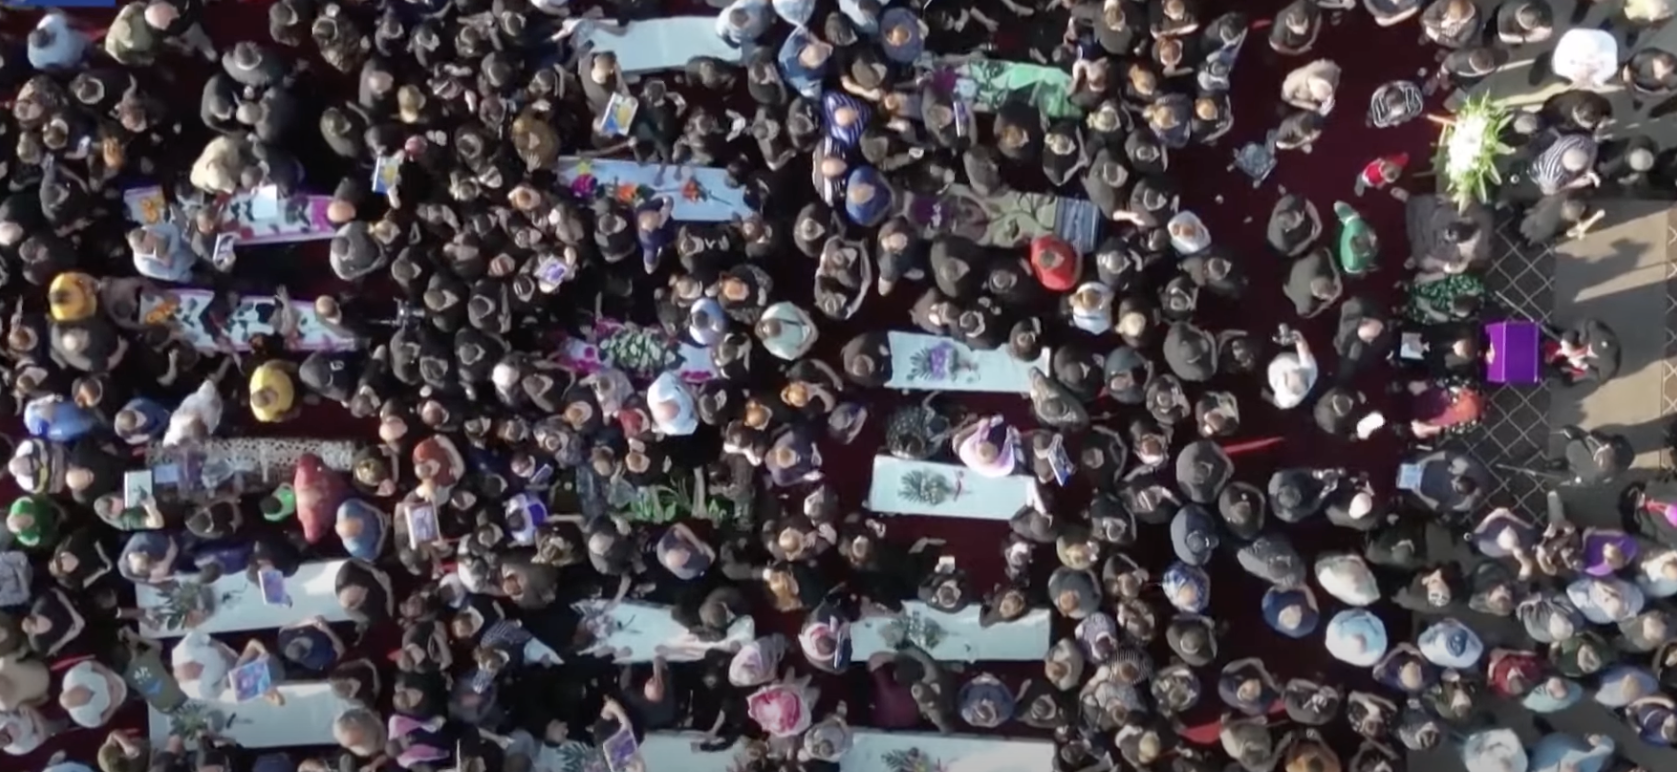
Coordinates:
(1235,213)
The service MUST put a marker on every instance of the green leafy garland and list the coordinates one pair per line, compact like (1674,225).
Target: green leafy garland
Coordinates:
(1468,150)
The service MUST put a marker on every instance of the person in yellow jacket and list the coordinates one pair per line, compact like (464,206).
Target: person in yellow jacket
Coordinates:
(273,391)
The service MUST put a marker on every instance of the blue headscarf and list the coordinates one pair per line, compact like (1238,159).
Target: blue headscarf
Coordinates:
(837,104)
(57,419)
(531,514)
(1540,700)
(1277,600)
(908,50)
(712,328)
(1556,752)
(802,78)
(756,21)
(154,420)
(1357,637)
(366,542)
(1180,577)
(1449,643)
(867,197)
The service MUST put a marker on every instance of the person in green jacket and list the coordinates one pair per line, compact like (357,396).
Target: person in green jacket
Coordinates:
(1358,246)
(34,520)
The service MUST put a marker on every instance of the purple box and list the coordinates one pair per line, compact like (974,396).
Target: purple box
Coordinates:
(1515,360)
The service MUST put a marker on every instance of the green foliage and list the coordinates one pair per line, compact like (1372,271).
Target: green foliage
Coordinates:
(1469,149)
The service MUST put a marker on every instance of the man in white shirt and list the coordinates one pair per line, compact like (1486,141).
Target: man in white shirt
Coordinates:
(201,665)
(1292,374)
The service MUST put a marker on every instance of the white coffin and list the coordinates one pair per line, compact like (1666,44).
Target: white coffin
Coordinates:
(311,589)
(305,718)
(673,752)
(656,44)
(960,638)
(995,372)
(876,751)
(973,495)
(639,632)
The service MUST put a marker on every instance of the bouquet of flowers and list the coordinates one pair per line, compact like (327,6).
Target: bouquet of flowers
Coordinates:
(638,351)
(185,604)
(942,362)
(1469,148)
(923,487)
(913,630)
(195,719)
(912,760)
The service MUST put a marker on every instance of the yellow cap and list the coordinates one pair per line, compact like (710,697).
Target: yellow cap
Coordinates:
(72,297)
(276,380)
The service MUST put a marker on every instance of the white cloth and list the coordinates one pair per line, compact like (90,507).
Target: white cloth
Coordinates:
(797,331)
(1347,578)
(1290,391)
(1587,57)
(1098,319)
(92,713)
(204,404)
(669,389)
(216,659)
(25,729)
(1196,241)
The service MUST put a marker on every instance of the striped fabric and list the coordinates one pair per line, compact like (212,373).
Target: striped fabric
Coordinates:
(1548,173)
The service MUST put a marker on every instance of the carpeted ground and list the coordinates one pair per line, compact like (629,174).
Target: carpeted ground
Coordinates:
(1226,200)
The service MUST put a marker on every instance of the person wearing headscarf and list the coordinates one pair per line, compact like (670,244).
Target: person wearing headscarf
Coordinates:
(1293,225)
(1356,637)
(671,406)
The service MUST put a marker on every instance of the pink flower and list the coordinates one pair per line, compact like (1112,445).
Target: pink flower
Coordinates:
(583,186)
(779,710)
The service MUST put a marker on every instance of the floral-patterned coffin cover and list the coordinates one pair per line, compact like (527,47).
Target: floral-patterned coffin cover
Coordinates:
(934,363)
(879,751)
(901,487)
(700,193)
(642,353)
(265,461)
(1009,219)
(299,218)
(639,632)
(656,44)
(184,309)
(952,637)
(986,84)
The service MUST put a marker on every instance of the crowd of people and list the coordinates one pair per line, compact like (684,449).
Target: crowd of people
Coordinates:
(505,500)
